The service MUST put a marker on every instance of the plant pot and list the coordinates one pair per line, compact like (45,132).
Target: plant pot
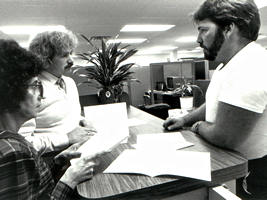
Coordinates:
(186,103)
(106,96)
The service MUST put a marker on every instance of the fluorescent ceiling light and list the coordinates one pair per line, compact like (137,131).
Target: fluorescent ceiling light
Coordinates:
(156,50)
(147,27)
(163,48)
(129,41)
(24,44)
(149,52)
(187,39)
(261,3)
(31,29)
(189,51)
(260,37)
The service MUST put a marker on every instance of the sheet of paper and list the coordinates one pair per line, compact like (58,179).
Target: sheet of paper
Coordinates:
(154,163)
(174,140)
(108,118)
(111,123)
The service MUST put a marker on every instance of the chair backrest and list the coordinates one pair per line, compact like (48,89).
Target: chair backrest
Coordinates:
(147,99)
(159,110)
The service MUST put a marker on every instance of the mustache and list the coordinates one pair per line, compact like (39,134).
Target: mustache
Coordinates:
(69,65)
(202,46)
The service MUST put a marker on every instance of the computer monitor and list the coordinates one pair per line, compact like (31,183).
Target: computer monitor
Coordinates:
(173,82)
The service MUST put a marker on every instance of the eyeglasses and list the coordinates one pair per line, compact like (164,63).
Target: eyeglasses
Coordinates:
(37,85)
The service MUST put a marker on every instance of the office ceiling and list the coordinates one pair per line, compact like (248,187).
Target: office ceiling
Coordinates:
(107,17)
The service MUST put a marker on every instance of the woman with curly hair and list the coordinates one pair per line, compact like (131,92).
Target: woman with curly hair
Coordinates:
(23,173)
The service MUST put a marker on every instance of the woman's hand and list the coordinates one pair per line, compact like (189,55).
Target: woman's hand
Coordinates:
(65,156)
(81,171)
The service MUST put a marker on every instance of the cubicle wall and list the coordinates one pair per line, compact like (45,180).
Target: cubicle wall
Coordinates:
(195,71)
(159,72)
(137,90)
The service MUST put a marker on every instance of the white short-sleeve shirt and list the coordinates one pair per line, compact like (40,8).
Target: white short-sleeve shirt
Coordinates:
(242,82)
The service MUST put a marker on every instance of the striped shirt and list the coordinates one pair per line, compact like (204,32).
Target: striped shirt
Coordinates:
(24,174)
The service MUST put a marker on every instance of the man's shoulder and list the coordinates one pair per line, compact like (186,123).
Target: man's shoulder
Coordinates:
(256,50)
(68,80)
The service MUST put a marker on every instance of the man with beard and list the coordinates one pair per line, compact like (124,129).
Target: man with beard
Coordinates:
(58,123)
(234,112)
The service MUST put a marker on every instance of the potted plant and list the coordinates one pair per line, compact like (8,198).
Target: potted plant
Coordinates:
(105,69)
(185,91)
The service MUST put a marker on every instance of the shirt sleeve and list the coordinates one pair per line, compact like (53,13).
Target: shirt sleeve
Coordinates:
(43,142)
(63,192)
(19,178)
(16,170)
(248,94)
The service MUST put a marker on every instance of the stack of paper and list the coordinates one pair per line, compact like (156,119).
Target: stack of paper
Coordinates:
(155,163)
(156,154)
(171,141)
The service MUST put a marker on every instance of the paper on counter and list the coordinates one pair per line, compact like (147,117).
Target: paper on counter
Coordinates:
(111,123)
(174,140)
(154,163)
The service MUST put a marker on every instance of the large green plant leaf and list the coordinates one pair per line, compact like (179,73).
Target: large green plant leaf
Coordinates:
(105,63)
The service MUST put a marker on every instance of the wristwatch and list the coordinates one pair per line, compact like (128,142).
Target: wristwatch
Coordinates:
(196,127)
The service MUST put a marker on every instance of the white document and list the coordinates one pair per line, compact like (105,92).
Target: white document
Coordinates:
(173,140)
(111,123)
(180,163)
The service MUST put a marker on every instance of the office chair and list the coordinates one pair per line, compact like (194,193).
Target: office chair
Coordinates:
(158,109)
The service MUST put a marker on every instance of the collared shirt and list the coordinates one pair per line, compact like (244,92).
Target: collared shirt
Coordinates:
(59,114)
(242,82)
(24,174)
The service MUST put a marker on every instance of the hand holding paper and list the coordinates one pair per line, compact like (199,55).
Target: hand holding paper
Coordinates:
(111,123)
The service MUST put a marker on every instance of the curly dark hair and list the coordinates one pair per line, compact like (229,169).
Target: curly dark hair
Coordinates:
(243,13)
(17,67)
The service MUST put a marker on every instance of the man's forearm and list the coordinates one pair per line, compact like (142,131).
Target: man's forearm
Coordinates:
(196,115)
(210,133)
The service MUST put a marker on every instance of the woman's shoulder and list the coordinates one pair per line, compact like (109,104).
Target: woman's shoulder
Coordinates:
(12,147)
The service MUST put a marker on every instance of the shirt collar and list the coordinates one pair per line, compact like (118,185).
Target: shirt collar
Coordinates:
(240,54)
(49,77)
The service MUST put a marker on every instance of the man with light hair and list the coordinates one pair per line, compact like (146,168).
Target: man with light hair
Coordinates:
(58,123)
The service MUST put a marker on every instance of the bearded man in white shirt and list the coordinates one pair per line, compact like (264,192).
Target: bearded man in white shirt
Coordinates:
(234,115)
(58,123)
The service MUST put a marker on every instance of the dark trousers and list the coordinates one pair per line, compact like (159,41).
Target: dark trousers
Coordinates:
(256,181)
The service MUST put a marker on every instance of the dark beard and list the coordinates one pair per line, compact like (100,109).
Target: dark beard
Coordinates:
(212,52)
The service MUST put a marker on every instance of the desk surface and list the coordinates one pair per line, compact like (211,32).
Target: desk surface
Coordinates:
(225,165)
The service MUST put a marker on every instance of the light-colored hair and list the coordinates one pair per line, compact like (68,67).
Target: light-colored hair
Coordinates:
(47,45)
